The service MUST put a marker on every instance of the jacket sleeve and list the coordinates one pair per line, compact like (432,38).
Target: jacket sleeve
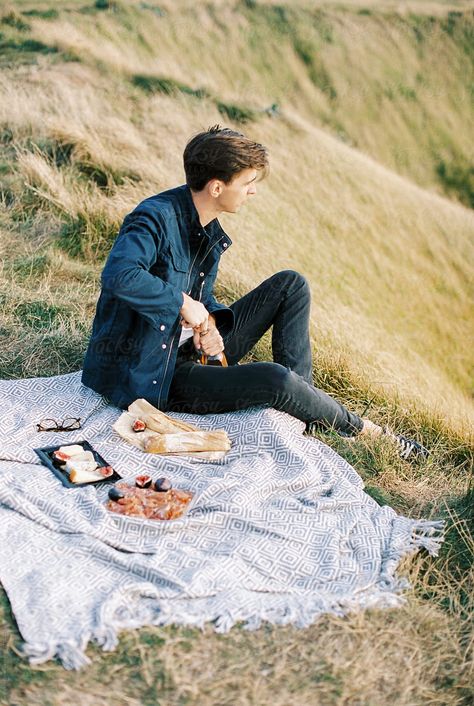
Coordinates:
(126,273)
(225,318)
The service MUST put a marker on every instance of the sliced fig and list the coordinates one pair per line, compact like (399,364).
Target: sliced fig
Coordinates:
(61,456)
(143,481)
(139,425)
(106,471)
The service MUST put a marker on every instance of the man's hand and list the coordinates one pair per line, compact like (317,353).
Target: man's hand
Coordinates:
(209,341)
(194,313)
(206,336)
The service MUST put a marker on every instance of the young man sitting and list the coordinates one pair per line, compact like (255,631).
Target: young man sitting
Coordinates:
(157,313)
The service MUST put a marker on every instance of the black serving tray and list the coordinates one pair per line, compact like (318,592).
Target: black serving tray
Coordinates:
(47,459)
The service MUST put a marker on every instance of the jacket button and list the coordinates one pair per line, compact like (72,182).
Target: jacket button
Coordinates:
(162,327)
(201,274)
(154,382)
(163,345)
(224,245)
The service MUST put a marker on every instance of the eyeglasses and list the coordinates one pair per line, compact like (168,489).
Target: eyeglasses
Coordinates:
(68,424)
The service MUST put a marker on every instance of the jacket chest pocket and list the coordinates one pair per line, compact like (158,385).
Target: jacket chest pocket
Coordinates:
(180,262)
(168,262)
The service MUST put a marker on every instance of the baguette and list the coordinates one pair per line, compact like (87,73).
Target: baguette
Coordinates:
(188,441)
(157,420)
(162,424)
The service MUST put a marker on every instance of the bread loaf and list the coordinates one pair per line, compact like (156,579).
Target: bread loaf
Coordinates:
(188,441)
(157,420)
(162,424)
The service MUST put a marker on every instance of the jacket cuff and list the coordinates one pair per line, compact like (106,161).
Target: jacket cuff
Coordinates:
(225,318)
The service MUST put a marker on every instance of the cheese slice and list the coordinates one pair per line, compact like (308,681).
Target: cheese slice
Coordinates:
(84,461)
(72,450)
(81,476)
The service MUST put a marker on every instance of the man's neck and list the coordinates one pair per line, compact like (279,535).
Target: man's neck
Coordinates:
(204,207)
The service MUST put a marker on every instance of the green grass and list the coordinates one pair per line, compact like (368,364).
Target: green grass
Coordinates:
(236,113)
(168,86)
(12,19)
(49,14)
(25,46)
(89,236)
(457,176)
(38,315)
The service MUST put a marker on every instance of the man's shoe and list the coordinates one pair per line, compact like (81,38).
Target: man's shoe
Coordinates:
(407,448)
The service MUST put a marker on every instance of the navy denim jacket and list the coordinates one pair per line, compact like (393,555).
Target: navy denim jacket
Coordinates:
(161,251)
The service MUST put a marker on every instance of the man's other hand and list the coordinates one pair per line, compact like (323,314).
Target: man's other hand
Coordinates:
(194,313)
(209,340)
(206,338)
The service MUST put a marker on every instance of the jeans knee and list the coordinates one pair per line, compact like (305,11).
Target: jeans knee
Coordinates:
(279,381)
(292,277)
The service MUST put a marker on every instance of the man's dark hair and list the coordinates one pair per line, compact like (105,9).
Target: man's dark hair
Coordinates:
(221,153)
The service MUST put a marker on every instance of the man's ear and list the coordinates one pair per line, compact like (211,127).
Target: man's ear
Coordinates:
(215,188)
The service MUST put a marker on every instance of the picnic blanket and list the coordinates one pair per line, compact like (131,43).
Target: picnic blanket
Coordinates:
(281,530)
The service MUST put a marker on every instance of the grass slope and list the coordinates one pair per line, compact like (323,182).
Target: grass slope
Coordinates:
(96,103)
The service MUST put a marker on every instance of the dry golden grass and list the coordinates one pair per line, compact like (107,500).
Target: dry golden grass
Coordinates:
(411,246)
(389,106)
(353,203)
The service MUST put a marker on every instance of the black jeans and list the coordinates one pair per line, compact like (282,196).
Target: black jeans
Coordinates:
(281,301)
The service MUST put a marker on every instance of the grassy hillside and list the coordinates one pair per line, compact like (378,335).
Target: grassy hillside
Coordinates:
(389,263)
(367,111)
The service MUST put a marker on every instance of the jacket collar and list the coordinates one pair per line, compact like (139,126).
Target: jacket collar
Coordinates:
(189,215)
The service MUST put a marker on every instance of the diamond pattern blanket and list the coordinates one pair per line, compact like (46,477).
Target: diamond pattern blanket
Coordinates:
(281,530)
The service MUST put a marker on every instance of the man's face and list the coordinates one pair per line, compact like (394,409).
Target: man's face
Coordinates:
(233,195)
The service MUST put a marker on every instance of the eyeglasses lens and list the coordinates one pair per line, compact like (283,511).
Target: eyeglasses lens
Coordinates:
(71,423)
(47,425)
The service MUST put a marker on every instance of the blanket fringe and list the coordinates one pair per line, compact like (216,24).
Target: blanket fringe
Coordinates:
(71,654)
(107,638)
(428,534)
